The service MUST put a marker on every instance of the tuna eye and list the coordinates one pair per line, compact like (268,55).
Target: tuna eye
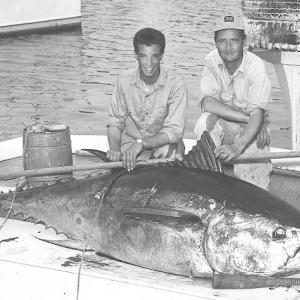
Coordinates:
(279,233)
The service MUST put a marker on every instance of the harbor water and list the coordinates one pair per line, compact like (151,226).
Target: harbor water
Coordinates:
(68,77)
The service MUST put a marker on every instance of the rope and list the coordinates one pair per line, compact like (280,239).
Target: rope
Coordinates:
(11,206)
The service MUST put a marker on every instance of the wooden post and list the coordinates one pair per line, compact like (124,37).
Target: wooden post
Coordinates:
(287,67)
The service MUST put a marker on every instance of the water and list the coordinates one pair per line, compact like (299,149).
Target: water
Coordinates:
(69,77)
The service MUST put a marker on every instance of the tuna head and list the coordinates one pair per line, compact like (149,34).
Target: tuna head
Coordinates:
(251,244)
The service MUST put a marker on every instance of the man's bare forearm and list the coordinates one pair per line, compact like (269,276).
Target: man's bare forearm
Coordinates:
(155,141)
(226,112)
(256,120)
(149,141)
(114,135)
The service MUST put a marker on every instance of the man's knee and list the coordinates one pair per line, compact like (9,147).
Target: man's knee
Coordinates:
(207,121)
(211,123)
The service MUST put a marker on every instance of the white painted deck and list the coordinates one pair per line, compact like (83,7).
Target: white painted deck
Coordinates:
(34,270)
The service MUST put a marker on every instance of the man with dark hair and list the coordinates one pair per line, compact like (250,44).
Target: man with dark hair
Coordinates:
(148,111)
(149,37)
(235,91)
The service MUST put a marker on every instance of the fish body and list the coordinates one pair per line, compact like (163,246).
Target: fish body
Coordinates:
(207,221)
(174,219)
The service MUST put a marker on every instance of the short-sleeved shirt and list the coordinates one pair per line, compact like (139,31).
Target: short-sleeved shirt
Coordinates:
(247,89)
(162,109)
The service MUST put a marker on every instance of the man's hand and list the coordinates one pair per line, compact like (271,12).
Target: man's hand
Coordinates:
(263,138)
(228,152)
(130,154)
(114,155)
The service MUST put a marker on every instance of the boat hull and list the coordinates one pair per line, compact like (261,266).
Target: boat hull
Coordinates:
(27,16)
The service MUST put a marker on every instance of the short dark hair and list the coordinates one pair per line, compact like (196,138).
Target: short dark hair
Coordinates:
(149,37)
(243,34)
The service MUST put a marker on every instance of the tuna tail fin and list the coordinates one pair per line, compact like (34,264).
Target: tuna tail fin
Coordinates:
(98,153)
(201,156)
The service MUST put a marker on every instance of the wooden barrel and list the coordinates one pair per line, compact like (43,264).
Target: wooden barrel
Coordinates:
(46,147)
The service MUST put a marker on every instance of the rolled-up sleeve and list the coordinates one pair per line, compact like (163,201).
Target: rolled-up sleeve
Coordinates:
(176,119)
(259,91)
(118,109)
(209,85)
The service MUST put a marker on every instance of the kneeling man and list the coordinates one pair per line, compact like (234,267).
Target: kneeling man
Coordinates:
(235,91)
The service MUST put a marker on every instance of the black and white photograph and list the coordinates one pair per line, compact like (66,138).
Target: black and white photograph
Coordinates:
(150,149)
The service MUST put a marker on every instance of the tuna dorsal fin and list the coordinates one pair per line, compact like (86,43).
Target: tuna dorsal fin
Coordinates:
(98,153)
(201,156)
(72,244)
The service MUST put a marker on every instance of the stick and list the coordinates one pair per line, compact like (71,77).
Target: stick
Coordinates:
(241,158)
(68,169)
(242,281)
(263,156)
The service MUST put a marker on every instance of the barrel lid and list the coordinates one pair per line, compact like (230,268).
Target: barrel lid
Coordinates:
(40,128)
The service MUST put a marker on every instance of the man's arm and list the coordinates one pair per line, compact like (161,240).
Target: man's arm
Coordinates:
(226,112)
(116,121)
(176,118)
(149,141)
(228,152)
(130,154)
(114,135)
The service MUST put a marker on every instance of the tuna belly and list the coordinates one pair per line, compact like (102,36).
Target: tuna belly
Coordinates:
(162,243)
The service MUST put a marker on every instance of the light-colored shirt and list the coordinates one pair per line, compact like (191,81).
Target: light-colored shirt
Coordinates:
(247,89)
(162,109)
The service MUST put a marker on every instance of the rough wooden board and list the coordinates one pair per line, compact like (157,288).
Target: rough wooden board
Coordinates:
(32,269)
(16,164)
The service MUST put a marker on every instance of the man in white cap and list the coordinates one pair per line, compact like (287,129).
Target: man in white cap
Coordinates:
(235,91)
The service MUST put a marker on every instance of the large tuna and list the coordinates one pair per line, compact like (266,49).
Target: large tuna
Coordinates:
(174,219)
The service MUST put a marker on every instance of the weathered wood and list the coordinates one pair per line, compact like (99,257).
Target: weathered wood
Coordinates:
(292,73)
(66,169)
(114,165)
(254,157)
(287,67)
(242,281)
(47,146)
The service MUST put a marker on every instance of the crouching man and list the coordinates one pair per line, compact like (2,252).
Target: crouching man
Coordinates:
(235,91)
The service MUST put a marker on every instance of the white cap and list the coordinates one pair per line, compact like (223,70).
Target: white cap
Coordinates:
(229,22)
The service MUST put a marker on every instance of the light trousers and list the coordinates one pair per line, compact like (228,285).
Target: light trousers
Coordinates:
(225,132)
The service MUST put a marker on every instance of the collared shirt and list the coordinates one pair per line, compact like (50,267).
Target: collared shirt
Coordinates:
(247,89)
(162,109)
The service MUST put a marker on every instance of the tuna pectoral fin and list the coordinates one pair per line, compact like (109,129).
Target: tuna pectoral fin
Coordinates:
(159,214)
(201,156)
(72,244)
(242,281)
